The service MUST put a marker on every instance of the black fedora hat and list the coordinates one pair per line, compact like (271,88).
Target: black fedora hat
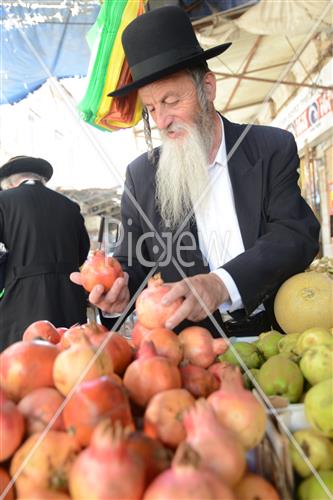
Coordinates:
(159,43)
(21,164)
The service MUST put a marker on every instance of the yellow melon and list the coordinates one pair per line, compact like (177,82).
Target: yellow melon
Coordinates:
(305,301)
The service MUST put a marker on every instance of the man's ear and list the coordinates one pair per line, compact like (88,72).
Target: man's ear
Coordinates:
(210,86)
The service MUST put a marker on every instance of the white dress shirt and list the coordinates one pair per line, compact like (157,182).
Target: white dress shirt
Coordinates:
(219,235)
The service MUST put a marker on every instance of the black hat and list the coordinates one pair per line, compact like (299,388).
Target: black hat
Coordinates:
(159,43)
(21,164)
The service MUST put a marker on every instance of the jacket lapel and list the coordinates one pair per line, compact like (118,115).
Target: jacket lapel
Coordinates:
(246,180)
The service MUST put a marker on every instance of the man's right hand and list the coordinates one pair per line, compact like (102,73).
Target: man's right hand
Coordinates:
(112,302)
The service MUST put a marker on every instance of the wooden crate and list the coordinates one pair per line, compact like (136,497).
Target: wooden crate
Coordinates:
(273,460)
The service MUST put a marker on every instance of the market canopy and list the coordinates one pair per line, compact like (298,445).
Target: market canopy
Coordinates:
(277,49)
(48,39)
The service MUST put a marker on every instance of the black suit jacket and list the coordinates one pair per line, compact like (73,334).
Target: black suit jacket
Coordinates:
(45,236)
(279,230)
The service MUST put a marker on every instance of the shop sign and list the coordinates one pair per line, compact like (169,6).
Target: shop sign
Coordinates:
(310,114)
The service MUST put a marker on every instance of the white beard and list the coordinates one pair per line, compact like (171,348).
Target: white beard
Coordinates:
(182,173)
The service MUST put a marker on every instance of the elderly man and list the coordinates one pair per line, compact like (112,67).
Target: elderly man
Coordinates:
(44,234)
(217,209)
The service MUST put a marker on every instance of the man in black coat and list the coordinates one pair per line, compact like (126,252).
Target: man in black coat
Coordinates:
(46,239)
(217,210)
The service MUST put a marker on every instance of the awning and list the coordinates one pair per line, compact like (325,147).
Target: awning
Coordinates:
(48,38)
(277,48)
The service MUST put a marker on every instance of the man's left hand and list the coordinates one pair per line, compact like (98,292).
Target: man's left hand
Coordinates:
(202,294)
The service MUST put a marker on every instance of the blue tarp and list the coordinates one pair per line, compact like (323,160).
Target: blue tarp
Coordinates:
(55,47)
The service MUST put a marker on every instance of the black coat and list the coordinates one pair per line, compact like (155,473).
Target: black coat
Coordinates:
(279,230)
(45,236)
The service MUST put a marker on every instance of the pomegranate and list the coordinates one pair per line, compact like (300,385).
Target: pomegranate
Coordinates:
(42,330)
(116,346)
(150,374)
(151,313)
(187,480)
(254,487)
(166,343)
(217,369)
(25,366)
(48,465)
(155,457)
(198,381)
(200,348)
(139,332)
(71,365)
(4,481)
(120,352)
(99,269)
(76,332)
(93,401)
(71,336)
(61,330)
(12,429)
(238,409)
(163,416)
(39,408)
(219,447)
(107,468)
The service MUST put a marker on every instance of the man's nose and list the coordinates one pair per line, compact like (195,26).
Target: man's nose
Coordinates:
(162,119)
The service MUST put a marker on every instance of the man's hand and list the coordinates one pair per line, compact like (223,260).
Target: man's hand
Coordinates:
(202,293)
(114,301)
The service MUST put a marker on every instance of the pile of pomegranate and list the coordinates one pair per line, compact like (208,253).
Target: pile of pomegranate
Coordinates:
(86,413)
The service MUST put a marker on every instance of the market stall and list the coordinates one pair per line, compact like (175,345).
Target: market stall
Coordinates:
(140,412)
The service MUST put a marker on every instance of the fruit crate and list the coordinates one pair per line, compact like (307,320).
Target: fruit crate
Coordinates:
(272,460)
(293,416)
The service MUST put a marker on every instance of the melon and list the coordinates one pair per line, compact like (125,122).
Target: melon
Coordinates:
(304,301)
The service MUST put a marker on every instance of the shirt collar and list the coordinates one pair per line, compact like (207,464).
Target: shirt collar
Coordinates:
(221,157)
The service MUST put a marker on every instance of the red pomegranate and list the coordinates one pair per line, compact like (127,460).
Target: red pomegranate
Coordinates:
(118,348)
(150,310)
(78,363)
(167,344)
(39,408)
(163,417)
(188,479)
(255,487)
(42,330)
(198,381)
(139,332)
(12,429)
(150,374)
(49,464)
(200,348)
(100,269)
(238,409)
(4,481)
(155,457)
(25,366)
(93,401)
(107,469)
(219,447)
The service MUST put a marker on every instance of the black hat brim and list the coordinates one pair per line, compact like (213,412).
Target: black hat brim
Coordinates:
(23,164)
(186,63)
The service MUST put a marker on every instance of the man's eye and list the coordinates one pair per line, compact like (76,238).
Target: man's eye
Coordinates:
(171,101)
